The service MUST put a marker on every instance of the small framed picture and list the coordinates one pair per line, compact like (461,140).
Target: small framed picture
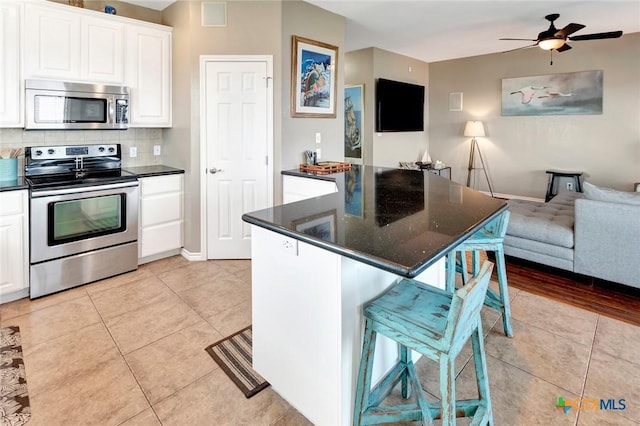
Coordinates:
(455,101)
(322,226)
(313,78)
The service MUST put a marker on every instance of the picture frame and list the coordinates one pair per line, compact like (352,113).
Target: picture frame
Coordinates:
(353,120)
(322,225)
(314,67)
(573,93)
(353,195)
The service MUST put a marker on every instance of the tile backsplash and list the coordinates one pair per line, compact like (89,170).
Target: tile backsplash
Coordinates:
(142,139)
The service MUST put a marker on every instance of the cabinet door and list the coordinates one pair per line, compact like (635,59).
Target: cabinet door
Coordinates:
(149,76)
(161,214)
(52,43)
(102,58)
(10,82)
(14,261)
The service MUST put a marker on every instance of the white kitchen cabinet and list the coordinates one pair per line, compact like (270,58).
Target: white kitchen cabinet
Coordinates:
(102,54)
(296,188)
(148,75)
(161,217)
(14,245)
(10,81)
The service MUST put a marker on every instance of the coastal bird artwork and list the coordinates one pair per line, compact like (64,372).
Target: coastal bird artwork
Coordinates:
(528,93)
(555,95)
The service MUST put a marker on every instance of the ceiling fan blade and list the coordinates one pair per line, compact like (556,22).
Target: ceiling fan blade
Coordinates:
(520,48)
(518,39)
(563,48)
(569,29)
(597,36)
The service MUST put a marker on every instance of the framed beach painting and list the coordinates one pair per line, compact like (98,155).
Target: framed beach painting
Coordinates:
(572,93)
(313,78)
(353,196)
(353,120)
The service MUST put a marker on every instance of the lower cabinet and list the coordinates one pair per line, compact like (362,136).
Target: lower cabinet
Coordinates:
(296,188)
(14,245)
(161,217)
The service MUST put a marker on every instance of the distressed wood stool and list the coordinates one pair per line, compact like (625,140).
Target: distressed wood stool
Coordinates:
(489,238)
(437,324)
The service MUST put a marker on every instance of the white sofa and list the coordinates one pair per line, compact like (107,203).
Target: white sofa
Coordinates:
(595,234)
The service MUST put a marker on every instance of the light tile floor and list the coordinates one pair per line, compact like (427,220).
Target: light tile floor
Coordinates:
(129,350)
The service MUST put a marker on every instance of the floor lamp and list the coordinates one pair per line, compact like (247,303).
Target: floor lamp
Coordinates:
(474,129)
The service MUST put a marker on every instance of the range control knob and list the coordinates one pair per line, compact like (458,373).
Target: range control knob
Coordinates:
(111,149)
(101,149)
(38,152)
(51,151)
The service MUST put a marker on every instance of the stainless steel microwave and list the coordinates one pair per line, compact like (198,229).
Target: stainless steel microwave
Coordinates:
(74,106)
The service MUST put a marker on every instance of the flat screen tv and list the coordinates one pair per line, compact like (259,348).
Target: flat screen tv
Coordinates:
(399,106)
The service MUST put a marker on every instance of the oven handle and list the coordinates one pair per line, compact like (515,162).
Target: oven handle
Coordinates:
(46,193)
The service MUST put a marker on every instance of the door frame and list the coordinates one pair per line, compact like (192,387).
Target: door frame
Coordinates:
(204,59)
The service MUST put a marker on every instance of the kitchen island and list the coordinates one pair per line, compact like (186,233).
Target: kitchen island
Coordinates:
(316,262)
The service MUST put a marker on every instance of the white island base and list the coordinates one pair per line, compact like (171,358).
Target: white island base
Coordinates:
(307,322)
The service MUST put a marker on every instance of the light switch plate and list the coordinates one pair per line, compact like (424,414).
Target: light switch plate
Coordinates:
(318,137)
(133,152)
(318,153)
(157,150)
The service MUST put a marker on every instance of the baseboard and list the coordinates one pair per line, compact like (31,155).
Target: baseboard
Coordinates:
(514,197)
(193,256)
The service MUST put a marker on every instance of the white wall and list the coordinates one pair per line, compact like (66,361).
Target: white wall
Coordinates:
(518,150)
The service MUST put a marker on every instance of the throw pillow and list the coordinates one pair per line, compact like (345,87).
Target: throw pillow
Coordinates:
(593,192)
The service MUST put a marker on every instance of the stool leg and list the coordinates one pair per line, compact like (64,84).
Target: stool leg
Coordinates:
(404,359)
(363,388)
(448,390)
(451,272)
(475,262)
(461,256)
(504,291)
(482,378)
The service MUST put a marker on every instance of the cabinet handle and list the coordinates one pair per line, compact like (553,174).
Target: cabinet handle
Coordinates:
(213,170)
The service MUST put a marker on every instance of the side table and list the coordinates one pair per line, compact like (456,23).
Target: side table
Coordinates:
(444,171)
(553,174)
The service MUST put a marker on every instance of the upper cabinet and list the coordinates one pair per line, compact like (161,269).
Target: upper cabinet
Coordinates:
(66,45)
(11,87)
(73,44)
(148,76)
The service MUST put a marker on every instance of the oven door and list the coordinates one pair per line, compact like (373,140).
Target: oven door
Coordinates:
(75,220)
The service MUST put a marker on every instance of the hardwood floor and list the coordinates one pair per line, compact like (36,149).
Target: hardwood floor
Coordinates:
(609,299)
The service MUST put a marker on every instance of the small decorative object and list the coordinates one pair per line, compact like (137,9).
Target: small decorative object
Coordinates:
(353,120)
(110,9)
(76,3)
(438,165)
(313,78)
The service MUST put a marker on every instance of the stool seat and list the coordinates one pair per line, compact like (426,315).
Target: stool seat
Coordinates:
(437,324)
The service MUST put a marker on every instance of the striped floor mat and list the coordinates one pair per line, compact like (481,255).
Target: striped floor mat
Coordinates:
(233,355)
(14,399)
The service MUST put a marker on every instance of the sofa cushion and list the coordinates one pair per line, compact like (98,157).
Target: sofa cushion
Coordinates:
(550,223)
(593,192)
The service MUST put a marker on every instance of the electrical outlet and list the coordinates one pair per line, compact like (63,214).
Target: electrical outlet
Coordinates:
(290,246)
(569,186)
(157,150)
(318,153)
(133,152)
(318,137)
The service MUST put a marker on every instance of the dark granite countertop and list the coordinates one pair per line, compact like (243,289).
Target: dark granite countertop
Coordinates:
(401,221)
(327,176)
(148,171)
(13,185)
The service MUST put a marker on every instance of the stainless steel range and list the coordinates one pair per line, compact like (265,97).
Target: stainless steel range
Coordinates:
(84,216)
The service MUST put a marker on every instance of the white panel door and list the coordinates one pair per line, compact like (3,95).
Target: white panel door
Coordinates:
(236,126)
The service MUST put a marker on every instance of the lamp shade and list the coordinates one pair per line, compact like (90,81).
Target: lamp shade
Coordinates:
(474,128)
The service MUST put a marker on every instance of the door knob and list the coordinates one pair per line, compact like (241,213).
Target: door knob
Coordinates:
(213,170)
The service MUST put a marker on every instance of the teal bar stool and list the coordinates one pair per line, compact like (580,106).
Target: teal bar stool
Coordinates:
(437,324)
(489,238)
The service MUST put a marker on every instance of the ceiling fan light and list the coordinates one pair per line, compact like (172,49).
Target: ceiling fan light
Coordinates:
(551,43)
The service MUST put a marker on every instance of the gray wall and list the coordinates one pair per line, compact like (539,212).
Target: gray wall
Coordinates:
(518,150)
(364,67)
(253,28)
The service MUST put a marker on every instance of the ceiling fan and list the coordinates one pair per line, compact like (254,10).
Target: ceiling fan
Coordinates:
(554,39)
